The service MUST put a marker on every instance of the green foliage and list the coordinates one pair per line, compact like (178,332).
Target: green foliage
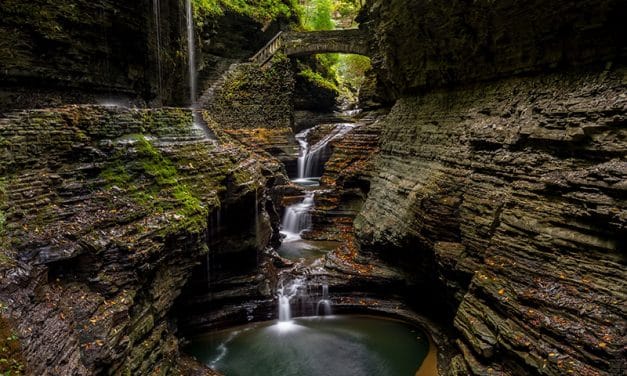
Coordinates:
(348,8)
(324,14)
(318,79)
(317,15)
(344,72)
(261,10)
(350,71)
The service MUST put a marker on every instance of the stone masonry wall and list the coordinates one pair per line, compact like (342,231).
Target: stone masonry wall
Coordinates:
(254,97)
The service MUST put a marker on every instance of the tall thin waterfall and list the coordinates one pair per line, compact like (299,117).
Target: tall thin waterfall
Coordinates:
(297,218)
(197,120)
(191,51)
(156,8)
(311,159)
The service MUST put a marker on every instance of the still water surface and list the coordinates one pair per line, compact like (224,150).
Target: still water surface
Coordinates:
(316,346)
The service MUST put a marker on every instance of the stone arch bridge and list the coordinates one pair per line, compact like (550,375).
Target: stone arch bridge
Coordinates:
(293,43)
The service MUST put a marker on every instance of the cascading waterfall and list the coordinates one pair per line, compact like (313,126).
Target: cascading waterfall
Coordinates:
(303,147)
(285,293)
(297,218)
(298,289)
(285,313)
(311,159)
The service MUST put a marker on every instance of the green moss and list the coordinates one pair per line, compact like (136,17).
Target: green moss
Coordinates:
(154,164)
(116,175)
(184,196)
(152,181)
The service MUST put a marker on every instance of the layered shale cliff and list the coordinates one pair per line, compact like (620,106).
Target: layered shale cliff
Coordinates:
(501,181)
(105,212)
(58,52)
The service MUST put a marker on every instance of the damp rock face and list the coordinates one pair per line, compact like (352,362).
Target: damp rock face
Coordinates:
(104,215)
(62,52)
(423,45)
(506,191)
(347,175)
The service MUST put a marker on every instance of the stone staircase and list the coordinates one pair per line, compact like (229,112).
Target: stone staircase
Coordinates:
(267,51)
(207,96)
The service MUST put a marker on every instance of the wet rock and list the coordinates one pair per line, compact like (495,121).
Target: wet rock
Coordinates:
(105,215)
(521,219)
(346,178)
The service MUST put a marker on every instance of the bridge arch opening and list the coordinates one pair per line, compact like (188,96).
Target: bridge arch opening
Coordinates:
(344,73)
(304,43)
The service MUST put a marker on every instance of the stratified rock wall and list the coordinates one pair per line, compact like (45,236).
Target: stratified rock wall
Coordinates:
(424,44)
(346,178)
(501,184)
(507,191)
(57,52)
(104,214)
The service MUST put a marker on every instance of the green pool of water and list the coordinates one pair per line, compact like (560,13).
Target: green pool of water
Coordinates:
(309,250)
(317,346)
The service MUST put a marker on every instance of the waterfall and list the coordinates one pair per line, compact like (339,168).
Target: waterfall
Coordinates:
(298,289)
(256,218)
(285,293)
(297,218)
(311,159)
(157,14)
(212,237)
(325,302)
(191,51)
(197,121)
(285,313)
(303,147)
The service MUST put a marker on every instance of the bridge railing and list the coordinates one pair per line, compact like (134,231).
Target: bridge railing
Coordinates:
(268,50)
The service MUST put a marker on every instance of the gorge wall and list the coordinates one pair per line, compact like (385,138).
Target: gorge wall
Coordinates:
(58,52)
(113,51)
(496,200)
(105,212)
(502,178)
